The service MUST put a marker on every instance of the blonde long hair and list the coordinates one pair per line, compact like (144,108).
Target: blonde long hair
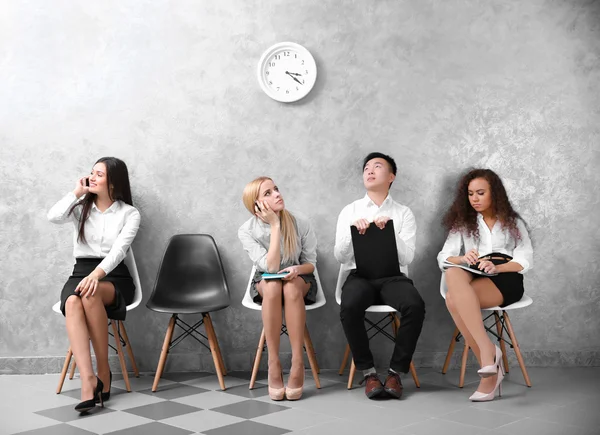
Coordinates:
(288,223)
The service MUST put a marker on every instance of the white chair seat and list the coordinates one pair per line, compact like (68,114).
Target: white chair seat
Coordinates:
(320,301)
(249,303)
(501,324)
(385,309)
(525,300)
(119,332)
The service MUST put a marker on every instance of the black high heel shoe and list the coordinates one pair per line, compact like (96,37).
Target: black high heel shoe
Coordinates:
(106,396)
(86,405)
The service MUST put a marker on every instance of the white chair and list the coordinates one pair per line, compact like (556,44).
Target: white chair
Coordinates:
(390,317)
(501,324)
(308,346)
(118,328)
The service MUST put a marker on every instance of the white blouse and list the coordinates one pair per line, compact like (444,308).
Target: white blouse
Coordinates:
(497,240)
(109,234)
(255,236)
(364,208)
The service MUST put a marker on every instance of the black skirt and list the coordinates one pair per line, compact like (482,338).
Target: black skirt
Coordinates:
(120,277)
(309,299)
(510,285)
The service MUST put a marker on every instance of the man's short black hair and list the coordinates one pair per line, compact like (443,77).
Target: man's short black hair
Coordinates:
(385,157)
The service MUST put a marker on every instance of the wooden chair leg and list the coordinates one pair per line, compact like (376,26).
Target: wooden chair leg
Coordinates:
(312,360)
(136,372)
(500,331)
(395,325)
(73,367)
(259,350)
(413,372)
(345,360)
(212,342)
(312,350)
(351,375)
(63,373)
(163,354)
(513,339)
(121,355)
(463,365)
(219,354)
(450,351)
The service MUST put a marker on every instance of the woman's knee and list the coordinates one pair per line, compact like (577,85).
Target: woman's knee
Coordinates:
(271,290)
(91,302)
(293,291)
(73,304)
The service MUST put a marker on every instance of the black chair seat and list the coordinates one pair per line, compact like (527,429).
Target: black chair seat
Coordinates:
(191,278)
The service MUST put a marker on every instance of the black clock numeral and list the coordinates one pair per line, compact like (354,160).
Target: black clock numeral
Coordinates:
(287,91)
(297,88)
(295,56)
(302,63)
(267,73)
(271,63)
(286,53)
(305,71)
(277,87)
(277,57)
(270,82)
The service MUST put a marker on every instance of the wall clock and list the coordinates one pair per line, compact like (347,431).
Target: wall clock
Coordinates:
(287,72)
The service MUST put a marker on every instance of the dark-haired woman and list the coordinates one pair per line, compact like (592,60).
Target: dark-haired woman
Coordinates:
(484,231)
(100,286)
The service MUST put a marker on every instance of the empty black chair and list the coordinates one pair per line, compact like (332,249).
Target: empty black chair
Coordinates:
(190,280)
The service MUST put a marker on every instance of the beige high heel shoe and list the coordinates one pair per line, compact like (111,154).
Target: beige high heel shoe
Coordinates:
(277,394)
(295,393)
(492,369)
(486,397)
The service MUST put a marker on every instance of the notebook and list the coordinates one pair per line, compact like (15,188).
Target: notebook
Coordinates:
(274,275)
(375,252)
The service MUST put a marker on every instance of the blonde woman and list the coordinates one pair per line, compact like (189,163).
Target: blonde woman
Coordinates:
(276,242)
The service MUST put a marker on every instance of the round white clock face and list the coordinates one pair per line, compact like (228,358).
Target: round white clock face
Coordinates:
(287,72)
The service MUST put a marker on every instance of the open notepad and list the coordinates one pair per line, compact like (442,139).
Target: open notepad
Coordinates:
(472,268)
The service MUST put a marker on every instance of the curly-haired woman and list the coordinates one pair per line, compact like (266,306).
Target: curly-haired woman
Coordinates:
(487,233)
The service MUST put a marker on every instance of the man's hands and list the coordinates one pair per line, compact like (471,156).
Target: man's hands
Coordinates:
(363,224)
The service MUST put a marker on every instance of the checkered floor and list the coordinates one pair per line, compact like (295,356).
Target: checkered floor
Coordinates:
(562,401)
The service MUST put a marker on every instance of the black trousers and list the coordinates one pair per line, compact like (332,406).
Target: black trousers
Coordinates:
(398,292)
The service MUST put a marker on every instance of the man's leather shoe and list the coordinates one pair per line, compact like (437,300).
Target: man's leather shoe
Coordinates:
(393,385)
(373,387)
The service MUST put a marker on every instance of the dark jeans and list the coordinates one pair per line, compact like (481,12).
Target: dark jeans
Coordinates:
(398,292)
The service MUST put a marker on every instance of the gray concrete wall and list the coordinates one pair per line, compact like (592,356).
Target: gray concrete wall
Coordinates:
(170,87)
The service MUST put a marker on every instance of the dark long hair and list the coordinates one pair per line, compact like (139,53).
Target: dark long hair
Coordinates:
(462,216)
(117,180)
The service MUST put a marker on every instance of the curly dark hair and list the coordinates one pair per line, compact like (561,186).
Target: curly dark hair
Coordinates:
(462,216)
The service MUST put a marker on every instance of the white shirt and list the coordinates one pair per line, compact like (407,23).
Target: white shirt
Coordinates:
(496,240)
(109,234)
(255,236)
(364,208)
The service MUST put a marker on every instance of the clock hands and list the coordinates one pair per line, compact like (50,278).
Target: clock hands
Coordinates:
(294,74)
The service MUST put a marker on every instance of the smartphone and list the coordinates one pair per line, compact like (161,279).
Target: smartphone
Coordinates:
(257,206)
(87,182)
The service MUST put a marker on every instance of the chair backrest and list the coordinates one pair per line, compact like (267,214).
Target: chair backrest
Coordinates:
(343,275)
(191,277)
(133,271)
(248,302)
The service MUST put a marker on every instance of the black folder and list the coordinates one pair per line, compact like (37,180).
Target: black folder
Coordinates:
(375,252)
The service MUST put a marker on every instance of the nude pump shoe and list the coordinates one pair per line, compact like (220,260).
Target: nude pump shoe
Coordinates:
(491,370)
(295,393)
(486,397)
(277,394)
